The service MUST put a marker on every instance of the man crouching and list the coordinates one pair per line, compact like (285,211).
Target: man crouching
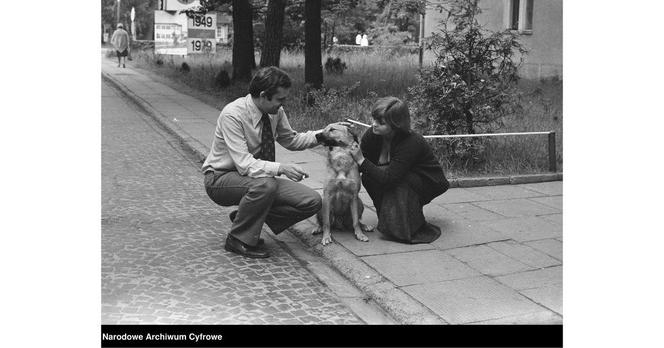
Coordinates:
(241,168)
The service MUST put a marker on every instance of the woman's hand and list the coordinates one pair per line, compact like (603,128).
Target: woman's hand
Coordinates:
(356,152)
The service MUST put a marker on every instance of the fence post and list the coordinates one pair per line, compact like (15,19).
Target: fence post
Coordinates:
(552,151)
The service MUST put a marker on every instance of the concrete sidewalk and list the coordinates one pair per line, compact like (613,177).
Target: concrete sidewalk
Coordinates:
(498,261)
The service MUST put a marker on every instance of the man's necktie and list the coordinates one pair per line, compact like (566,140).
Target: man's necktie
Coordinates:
(267,141)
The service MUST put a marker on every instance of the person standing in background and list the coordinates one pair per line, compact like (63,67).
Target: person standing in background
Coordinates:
(120,41)
(358,38)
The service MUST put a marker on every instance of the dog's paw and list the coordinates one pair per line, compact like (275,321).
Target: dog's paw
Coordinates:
(317,230)
(361,237)
(326,240)
(367,228)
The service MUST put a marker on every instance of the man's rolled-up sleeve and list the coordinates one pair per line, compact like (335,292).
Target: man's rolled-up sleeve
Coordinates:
(245,162)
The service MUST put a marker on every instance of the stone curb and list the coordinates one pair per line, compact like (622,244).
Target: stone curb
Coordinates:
(401,306)
(505,180)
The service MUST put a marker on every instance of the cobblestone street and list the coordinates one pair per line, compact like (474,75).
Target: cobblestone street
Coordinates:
(163,259)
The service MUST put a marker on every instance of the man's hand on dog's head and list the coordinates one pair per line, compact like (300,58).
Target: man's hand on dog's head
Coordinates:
(337,124)
(292,172)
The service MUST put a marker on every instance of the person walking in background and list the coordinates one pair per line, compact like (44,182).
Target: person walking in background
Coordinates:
(120,41)
(241,168)
(400,173)
(364,41)
(358,38)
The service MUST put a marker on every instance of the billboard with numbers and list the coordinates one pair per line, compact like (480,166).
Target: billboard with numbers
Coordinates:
(202,33)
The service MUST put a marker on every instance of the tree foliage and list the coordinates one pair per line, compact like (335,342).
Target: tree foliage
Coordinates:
(472,83)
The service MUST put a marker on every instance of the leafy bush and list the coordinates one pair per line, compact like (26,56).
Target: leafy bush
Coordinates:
(185,67)
(222,79)
(335,66)
(326,103)
(472,85)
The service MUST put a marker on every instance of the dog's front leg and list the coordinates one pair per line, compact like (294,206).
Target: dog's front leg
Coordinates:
(356,220)
(325,209)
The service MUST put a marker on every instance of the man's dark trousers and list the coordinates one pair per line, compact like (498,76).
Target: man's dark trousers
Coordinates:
(280,203)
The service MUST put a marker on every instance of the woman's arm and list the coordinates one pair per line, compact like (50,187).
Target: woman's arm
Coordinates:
(402,159)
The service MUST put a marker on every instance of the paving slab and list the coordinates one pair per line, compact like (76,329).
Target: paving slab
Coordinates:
(472,212)
(556,219)
(551,188)
(366,199)
(555,202)
(525,254)
(548,296)
(504,192)
(517,207)
(418,267)
(487,260)
(457,231)
(544,317)
(525,229)
(533,279)
(377,245)
(470,300)
(552,247)
(459,195)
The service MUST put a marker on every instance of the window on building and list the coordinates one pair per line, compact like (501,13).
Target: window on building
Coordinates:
(520,15)
(514,15)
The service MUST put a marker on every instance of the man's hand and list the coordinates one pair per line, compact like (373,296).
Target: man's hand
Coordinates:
(337,124)
(357,154)
(292,172)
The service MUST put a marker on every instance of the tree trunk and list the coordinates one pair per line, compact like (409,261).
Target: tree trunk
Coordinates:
(243,40)
(313,67)
(274,28)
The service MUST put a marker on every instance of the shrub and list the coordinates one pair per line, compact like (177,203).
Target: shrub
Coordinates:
(222,79)
(472,85)
(335,66)
(325,103)
(185,67)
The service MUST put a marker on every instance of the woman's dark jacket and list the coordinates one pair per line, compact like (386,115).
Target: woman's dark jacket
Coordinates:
(408,153)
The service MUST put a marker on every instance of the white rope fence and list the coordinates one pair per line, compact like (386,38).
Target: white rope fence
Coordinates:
(551,134)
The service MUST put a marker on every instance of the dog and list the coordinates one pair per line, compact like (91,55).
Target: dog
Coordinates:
(342,208)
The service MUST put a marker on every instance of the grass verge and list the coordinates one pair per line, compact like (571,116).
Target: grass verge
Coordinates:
(371,75)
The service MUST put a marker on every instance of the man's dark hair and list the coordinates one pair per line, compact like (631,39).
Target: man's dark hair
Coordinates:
(267,80)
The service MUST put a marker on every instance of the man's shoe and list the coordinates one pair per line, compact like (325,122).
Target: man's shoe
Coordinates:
(232,215)
(236,246)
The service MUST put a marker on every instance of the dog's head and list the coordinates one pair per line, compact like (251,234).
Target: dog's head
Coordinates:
(336,136)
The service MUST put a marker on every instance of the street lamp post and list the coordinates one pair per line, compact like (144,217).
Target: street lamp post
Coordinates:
(118,11)
(133,26)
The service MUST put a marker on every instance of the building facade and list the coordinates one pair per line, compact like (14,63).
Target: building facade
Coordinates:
(538,22)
